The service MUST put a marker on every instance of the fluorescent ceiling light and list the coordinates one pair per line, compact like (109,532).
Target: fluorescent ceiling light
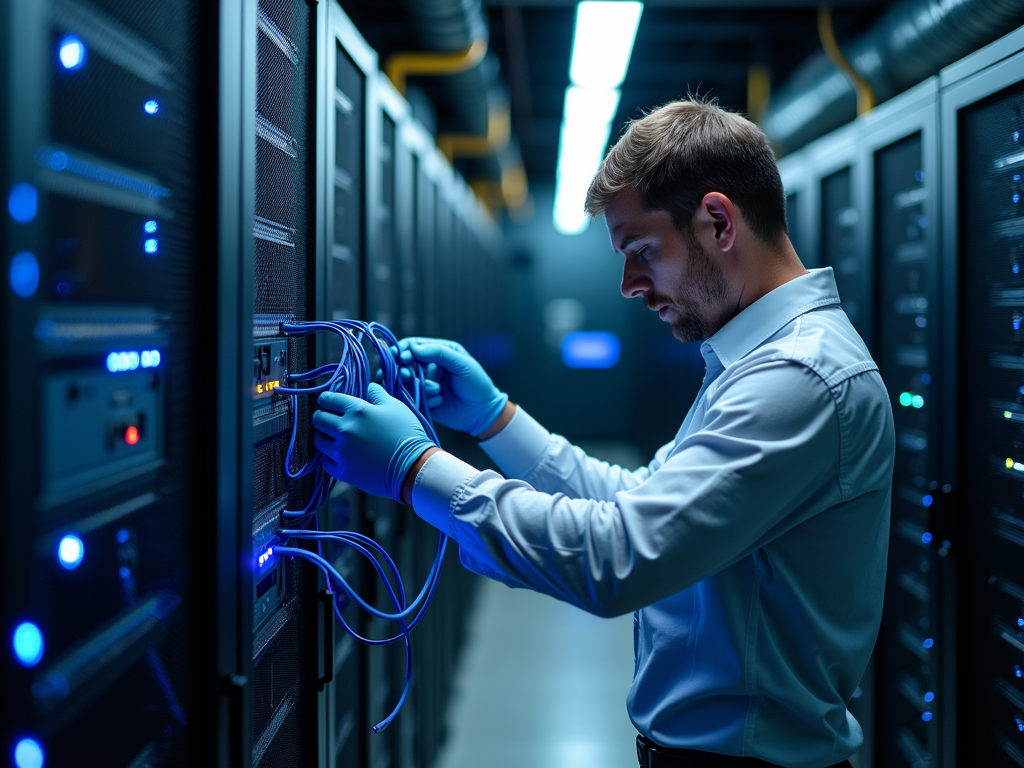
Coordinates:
(580,149)
(603,42)
(590,105)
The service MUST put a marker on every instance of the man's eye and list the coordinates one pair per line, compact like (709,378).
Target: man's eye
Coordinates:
(644,254)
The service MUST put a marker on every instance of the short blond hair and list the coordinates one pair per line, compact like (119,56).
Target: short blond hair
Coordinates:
(679,152)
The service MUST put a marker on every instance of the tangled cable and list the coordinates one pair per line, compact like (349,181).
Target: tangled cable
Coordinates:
(352,375)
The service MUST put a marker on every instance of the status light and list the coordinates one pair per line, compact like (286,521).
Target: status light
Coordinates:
(72,53)
(905,399)
(131,435)
(149,227)
(927,500)
(929,697)
(1016,466)
(22,203)
(917,401)
(152,107)
(928,642)
(270,386)
(926,716)
(23,274)
(131,360)
(28,644)
(1018,672)
(70,551)
(28,753)
(926,537)
(151,245)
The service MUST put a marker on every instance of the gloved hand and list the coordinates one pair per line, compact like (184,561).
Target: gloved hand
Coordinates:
(460,394)
(371,444)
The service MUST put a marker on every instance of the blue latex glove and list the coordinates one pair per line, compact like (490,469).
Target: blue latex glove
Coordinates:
(371,444)
(459,392)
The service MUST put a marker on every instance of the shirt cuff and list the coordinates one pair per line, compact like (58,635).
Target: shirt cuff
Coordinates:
(519,446)
(439,480)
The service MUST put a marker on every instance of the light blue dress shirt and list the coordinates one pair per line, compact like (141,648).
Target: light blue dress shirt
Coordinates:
(753,547)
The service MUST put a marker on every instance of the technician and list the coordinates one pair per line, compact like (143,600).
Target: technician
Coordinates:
(753,546)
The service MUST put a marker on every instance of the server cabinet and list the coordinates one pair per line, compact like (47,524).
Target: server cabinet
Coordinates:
(835,177)
(800,207)
(350,66)
(983,235)
(115,170)
(285,645)
(914,692)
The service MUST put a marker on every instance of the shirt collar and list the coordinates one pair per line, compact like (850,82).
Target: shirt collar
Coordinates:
(766,316)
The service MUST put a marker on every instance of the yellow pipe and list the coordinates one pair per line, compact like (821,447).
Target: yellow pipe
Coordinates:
(865,95)
(511,191)
(401,65)
(499,130)
(759,90)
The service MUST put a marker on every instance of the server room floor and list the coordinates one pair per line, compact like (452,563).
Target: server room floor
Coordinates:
(541,684)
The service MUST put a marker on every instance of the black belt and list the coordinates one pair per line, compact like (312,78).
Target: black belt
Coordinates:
(652,755)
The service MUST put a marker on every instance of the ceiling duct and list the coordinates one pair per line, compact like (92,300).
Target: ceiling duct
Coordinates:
(478,96)
(911,41)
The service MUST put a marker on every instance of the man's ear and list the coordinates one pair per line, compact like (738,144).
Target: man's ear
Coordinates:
(717,213)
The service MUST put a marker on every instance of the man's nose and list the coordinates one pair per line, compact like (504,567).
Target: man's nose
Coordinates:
(635,281)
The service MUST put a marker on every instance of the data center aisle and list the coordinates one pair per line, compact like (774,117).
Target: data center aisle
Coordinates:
(541,685)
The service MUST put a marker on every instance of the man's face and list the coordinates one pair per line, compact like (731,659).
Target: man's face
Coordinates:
(670,270)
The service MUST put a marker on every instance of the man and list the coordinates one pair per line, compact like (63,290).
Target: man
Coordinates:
(753,546)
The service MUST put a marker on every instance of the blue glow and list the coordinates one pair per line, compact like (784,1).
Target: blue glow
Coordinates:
(151,245)
(1020,723)
(591,349)
(1016,197)
(124,572)
(28,753)
(1017,671)
(24,274)
(119,362)
(1020,622)
(1016,323)
(72,53)
(928,642)
(152,107)
(926,537)
(929,697)
(28,644)
(150,358)
(926,716)
(926,378)
(1016,269)
(927,499)
(55,160)
(23,202)
(917,401)
(1016,135)
(123,535)
(922,222)
(1016,177)
(70,551)
(149,227)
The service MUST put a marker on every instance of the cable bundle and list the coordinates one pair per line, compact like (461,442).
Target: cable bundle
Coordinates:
(351,375)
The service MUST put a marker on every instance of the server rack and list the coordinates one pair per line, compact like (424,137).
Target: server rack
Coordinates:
(835,178)
(348,196)
(982,122)
(800,208)
(914,694)
(115,166)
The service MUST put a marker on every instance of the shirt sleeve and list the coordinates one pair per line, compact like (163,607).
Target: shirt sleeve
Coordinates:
(550,463)
(769,439)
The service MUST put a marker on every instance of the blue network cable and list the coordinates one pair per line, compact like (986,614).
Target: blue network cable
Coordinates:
(352,375)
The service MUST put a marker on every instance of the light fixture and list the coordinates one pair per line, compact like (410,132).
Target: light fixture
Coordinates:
(602,44)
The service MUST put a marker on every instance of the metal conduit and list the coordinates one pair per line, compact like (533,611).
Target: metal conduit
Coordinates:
(912,40)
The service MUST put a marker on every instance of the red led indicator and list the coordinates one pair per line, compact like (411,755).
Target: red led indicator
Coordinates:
(131,435)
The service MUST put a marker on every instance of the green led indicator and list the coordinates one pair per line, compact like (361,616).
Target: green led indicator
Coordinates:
(906,399)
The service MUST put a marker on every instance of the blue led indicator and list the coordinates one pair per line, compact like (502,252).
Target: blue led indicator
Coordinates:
(72,53)
(1020,622)
(1018,672)
(1016,197)
(1016,269)
(926,378)
(929,697)
(591,349)
(123,535)
(23,203)
(152,107)
(149,227)
(927,499)
(28,753)
(1020,722)
(928,642)
(1016,135)
(926,537)
(917,401)
(119,362)
(926,716)
(28,644)
(24,274)
(124,572)
(70,551)
(150,358)
(1016,177)
(151,245)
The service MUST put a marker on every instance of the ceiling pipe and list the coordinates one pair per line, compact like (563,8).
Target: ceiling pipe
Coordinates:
(911,41)
(454,27)
(400,65)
